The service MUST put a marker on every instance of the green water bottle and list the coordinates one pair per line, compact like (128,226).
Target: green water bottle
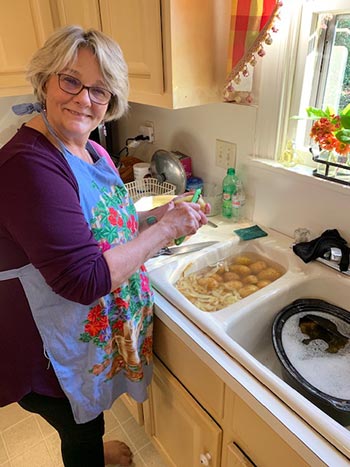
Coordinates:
(228,190)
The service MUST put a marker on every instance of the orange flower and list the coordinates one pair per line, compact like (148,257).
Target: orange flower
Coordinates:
(322,132)
(331,131)
(342,148)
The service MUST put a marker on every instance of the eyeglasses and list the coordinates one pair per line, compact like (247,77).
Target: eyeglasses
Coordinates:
(74,86)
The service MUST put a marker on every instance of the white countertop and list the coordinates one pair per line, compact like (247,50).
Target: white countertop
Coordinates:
(324,436)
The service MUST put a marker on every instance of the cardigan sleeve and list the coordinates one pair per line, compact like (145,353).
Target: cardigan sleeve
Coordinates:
(41,221)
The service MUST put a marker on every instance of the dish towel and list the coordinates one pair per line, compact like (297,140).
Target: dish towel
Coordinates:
(318,247)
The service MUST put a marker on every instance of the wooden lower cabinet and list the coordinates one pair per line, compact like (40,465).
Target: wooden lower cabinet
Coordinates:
(180,427)
(194,418)
(135,408)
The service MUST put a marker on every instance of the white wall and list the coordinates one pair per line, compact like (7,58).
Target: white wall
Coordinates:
(193,131)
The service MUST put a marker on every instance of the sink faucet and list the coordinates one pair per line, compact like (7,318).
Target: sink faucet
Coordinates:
(332,259)
(330,249)
(334,254)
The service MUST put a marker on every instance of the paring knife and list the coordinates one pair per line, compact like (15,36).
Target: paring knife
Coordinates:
(180,250)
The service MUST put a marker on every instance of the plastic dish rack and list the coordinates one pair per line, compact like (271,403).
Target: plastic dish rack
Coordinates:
(149,187)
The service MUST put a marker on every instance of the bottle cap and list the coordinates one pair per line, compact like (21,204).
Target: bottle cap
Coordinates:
(230,171)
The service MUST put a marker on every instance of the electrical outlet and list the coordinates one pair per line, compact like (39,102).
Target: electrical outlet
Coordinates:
(147,129)
(225,155)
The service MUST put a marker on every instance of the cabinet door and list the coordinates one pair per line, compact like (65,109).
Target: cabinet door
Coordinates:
(84,13)
(136,26)
(24,27)
(185,433)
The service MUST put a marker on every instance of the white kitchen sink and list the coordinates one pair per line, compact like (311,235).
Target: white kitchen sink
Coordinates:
(243,329)
(164,278)
(252,330)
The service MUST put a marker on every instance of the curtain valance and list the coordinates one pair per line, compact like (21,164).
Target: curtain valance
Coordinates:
(250,30)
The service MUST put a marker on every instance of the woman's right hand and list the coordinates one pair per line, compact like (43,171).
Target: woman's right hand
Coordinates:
(184,218)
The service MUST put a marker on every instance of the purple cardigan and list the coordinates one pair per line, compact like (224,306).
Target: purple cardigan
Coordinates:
(41,222)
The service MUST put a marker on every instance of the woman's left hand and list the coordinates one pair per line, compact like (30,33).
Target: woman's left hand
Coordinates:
(187,197)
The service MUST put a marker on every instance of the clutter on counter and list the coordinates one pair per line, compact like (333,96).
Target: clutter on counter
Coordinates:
(141,170)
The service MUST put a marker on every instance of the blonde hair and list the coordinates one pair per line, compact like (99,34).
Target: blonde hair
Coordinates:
(60,50)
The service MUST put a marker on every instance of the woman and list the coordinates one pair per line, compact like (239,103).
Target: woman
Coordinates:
(75,296)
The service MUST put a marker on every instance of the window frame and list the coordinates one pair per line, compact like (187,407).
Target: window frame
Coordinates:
(282,96)
(301,97)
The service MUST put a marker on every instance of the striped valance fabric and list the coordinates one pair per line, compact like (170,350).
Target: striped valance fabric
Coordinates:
(251,24)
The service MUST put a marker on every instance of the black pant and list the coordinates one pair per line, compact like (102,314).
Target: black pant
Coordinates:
(81,444)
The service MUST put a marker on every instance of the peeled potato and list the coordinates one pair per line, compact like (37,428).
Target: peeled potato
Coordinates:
(217,277)
(247,290)
(243,260)
(230,285)
(257,266)
(208,282)
(240,269)
(188,199)
(230,276)
(250,279)
(270,274)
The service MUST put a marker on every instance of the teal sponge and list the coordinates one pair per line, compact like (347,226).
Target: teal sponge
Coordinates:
(249,233)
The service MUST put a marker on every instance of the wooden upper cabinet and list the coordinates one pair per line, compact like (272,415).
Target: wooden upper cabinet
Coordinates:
(83,13)
(136,26)
(176,50)
(24,27)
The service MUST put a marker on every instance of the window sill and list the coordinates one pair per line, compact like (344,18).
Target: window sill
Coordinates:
(301,173)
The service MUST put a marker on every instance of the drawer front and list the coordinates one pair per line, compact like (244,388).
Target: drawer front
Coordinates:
(256,438)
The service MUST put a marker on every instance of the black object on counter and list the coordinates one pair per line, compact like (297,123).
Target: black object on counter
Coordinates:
(292,342)
(320,246)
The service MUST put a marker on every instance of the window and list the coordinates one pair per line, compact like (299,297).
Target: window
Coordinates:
(322,66)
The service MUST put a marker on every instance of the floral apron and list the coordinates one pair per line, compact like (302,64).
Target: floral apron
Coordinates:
(103,350)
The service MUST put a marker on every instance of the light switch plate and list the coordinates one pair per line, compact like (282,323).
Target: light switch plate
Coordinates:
(225,154)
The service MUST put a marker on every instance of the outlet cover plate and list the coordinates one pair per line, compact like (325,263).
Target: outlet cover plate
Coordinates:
(147,129)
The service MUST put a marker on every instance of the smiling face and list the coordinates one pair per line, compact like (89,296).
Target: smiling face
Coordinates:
(74,117)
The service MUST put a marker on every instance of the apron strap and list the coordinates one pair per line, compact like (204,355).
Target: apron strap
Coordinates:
(14,273)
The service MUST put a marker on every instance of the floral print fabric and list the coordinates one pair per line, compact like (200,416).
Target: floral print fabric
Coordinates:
(121,322)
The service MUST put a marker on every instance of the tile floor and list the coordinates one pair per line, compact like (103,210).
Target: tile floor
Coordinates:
(26,440)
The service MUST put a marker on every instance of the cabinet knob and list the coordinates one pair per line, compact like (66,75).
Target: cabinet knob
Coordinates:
(205,459)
